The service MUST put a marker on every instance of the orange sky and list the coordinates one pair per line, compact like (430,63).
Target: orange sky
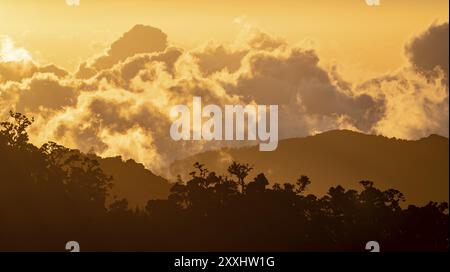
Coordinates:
(365,40)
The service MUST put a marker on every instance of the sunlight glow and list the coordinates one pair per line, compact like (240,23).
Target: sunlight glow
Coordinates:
(9,53)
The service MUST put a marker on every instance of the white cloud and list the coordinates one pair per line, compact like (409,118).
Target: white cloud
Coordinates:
(8,52)
(73,2)
(373,2)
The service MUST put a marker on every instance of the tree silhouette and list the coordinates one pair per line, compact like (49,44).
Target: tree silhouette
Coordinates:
(14,133)
(240,171)
(302,183)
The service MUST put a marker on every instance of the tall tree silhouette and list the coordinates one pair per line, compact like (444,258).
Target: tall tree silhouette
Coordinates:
(240,171)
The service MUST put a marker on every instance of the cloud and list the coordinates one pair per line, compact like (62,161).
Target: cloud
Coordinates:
(45,91)
(10,53)
(73,2)
(214,58)
(140,39)
(430,49)
(415,98)
(415,106)
(308,95)
(119,103)
(53,69)
(372,3)
(16,71)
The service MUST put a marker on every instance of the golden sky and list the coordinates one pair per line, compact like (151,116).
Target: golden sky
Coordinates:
(348,31)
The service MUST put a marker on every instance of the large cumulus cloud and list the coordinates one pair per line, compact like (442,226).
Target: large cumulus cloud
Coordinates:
(308,96)
(119,103)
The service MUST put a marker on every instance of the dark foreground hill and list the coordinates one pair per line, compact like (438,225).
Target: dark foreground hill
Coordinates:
(419,168)
(132,181)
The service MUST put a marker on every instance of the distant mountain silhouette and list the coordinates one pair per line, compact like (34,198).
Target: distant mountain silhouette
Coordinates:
(417,168)
(132,181)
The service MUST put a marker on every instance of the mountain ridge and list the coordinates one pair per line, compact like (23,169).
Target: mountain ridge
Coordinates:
(419,168)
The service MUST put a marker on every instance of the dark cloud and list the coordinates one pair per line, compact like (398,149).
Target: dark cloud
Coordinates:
(47,91)
(263,41)
(430,49)
(213,59)
(140,39)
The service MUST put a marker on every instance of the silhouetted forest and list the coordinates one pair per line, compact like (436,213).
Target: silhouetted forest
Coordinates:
(52,194)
